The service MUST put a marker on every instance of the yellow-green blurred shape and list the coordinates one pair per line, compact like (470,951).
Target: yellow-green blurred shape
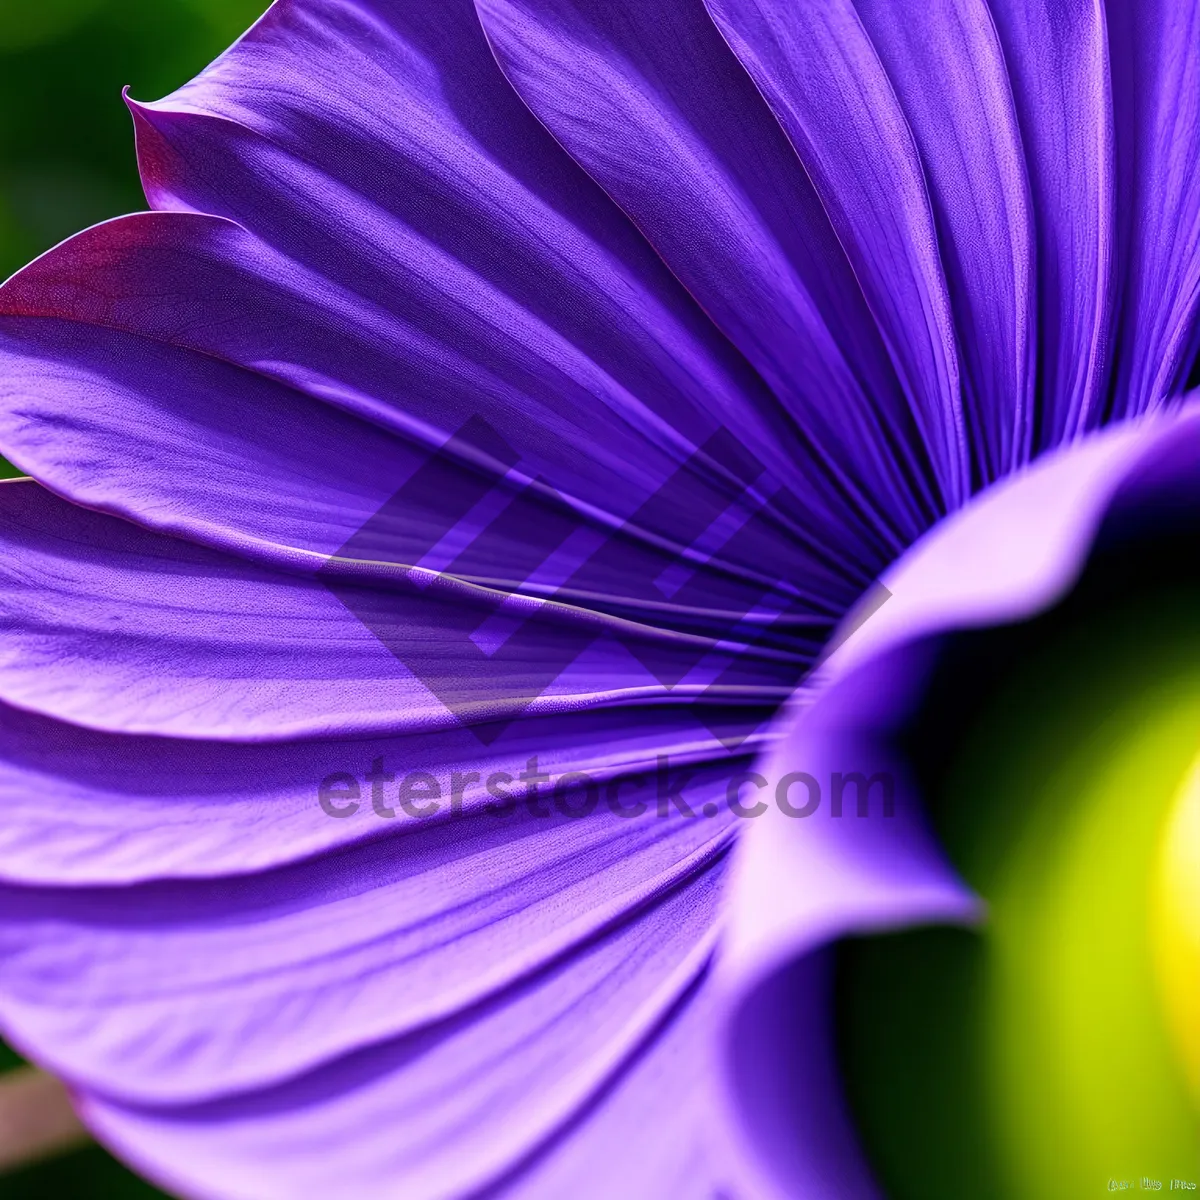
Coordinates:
(1051,1053)
(1083,1082)
(26,23)
(1175,915)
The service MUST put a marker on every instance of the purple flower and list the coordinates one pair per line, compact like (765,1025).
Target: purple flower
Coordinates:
(530,390)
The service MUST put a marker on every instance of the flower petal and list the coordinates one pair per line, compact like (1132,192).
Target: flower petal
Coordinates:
(651,102)
(116,628)
(129,809)
(825,83)
(309,166)
(482,1102)
(945,62)
(181,991)
(1057,55)
(443,266)
(1156,99)
(282,434)
(174,278)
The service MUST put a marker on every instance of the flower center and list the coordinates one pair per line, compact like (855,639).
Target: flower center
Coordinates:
(1175,926)
(1057,1048)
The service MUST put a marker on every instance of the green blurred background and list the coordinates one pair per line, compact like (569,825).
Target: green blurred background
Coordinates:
(67,161)
(66,146)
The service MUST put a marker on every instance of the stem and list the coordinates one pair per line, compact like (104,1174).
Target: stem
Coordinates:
(37,1119)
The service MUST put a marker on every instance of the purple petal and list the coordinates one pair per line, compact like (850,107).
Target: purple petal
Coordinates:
(945,63)
(823,79)
(129,809)
(183,991)
(649,1134)
(652,103)
(1156,100)
(460,190)
(453,1107)
(282,433)
(222,648)
(449,263)
(112,627)
(1057,55)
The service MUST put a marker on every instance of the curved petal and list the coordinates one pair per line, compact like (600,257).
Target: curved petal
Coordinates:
(1156,99)
(399,284)
(149,297)
(945,62)
(1058,62)
(475,1104)
(131,809)
(651,102)
(282,437)
(185,991)
(534,236)
(872,871)
(112,627)
(823,79)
